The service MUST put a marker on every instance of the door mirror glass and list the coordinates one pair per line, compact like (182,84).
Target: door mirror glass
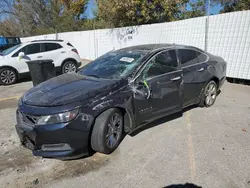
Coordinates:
(21,54)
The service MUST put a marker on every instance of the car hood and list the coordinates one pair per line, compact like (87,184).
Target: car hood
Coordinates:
(66,89)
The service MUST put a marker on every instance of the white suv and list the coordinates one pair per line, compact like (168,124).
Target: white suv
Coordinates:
(13,60)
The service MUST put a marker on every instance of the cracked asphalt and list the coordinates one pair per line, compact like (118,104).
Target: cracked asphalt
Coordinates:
(206,147)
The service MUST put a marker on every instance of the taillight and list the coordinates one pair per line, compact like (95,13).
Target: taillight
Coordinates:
(74,50)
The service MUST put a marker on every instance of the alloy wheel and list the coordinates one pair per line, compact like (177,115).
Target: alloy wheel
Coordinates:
(114,130)
(69,67)
(8,77)
(210,94)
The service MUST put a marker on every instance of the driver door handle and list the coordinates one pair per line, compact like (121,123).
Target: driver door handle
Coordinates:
(175,78)
(201,69)
(39,56)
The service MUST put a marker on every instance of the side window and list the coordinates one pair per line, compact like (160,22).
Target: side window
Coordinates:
(162,63)
(187,57)
(51,46)
(32,49)
(201,57)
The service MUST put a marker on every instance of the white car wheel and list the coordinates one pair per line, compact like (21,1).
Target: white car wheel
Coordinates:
(8,76)
(69,66)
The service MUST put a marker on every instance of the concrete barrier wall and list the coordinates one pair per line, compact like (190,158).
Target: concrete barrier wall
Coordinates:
(228,36)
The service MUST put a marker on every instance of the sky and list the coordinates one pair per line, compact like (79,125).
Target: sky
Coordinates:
(90,7)
(216,9)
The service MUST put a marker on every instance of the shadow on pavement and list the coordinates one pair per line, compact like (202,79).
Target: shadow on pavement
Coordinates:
(187,185)
(238,81)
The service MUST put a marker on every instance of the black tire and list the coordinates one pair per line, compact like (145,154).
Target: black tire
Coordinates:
(100,141)
(69,66)
(8,76)
(204,101)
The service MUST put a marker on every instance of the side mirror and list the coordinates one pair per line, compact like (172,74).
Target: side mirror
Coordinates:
(21,55)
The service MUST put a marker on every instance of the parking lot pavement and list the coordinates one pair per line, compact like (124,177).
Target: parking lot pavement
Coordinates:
(208,147)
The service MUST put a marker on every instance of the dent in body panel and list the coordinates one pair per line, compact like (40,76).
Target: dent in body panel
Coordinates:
(116,98)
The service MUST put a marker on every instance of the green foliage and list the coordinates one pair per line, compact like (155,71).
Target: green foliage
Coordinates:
(136,12)
(234,5)
(43,17)
(36,17)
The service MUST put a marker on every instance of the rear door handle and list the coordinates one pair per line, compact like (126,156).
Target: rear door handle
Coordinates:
(63,52)
(176,78)
(39,56)
(201,69)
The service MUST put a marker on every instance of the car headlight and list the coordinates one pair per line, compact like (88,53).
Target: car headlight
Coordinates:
(58,118)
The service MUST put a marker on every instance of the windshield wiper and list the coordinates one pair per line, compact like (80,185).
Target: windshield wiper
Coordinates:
(92,75)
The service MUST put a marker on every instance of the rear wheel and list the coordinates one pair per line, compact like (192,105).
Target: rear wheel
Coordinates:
(209,94)
(107,131)
(8,76)
(69,66)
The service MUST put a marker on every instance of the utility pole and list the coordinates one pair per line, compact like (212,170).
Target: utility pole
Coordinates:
(207,23)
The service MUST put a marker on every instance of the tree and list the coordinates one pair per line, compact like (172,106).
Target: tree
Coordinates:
(136,12)
(34,17)
(234,5)
(196,9)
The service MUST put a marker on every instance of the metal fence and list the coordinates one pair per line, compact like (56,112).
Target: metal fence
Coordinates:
(226,35)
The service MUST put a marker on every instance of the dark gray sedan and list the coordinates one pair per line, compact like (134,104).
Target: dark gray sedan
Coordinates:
(115,94)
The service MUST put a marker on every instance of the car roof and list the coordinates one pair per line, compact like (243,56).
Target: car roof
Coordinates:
(154,47)
(42,41)
(47,40)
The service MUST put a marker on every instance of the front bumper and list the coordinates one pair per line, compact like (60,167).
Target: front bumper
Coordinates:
(63,140)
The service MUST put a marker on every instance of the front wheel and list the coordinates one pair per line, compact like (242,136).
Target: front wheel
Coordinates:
(209,94)
(107,131)
(8,76)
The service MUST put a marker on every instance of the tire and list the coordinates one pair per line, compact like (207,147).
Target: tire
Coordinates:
(209,95)
(8,76)
(103,138)
(69,66)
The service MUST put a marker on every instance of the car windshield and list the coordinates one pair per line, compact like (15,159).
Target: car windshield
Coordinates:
(9,50)
(113,65)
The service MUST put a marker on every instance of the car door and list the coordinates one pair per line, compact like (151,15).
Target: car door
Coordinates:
(157,90)
(32,52)
(53,51)
(194,67)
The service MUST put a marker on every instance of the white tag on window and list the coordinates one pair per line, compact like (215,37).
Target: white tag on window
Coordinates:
(127,59)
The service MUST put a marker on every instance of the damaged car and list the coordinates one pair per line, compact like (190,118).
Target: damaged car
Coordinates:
(91,110)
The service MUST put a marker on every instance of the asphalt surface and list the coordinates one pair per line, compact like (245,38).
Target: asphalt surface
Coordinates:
(208,147)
